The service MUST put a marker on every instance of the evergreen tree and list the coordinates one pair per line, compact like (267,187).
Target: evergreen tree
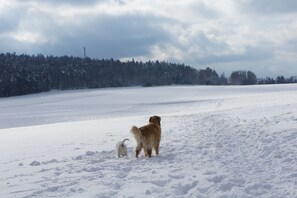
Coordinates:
(242,78)
(280,80)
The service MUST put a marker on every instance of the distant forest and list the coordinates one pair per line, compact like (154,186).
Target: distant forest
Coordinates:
(25,74)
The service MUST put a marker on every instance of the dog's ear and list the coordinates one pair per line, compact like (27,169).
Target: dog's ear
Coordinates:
(150,120)
(159,120)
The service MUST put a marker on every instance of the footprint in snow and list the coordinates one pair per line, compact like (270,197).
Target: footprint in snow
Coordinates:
(176,176)
(49,162)
(258,189)
(183,188)
(90,153)
(148,192)
(209,172)
(35,163)
(216,179)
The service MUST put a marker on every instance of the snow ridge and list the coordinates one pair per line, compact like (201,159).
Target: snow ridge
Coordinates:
(197,159)
(239,147)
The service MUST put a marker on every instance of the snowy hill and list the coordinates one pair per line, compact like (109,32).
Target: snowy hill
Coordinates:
(234,141)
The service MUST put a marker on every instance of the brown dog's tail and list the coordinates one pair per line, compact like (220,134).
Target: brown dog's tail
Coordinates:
(137,133)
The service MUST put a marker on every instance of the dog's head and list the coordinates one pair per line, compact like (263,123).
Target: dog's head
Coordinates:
(155,120)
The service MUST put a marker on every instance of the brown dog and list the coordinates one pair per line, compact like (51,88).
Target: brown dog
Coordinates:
(148,136)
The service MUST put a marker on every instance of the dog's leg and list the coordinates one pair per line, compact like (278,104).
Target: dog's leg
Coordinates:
(157,150)
(137,153)
(146,151)
(156,147)
(149,152)
(138,150)
(118,151)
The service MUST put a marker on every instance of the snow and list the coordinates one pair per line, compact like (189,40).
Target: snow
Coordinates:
(224,141)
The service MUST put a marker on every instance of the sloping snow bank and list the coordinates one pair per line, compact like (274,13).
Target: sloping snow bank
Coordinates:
(68,106)
(240,143)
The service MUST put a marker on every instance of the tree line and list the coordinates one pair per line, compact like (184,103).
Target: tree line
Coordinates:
(278,80)
(25,74)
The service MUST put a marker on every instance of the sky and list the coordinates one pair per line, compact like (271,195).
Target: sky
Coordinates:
(225,35)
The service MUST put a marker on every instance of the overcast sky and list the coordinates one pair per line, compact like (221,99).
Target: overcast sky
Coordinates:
(226,35)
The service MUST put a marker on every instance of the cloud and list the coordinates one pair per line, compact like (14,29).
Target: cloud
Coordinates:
(250,53)
(72,2)
(59,2)
(269,6)
(224,34)
(111,36)
(10,18)
(104,35)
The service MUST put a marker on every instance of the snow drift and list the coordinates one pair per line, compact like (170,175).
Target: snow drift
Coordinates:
(216,142)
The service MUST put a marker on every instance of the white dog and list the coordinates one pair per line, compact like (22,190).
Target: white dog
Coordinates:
(121,148)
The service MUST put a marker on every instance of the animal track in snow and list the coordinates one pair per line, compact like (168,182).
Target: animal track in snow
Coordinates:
(184,188)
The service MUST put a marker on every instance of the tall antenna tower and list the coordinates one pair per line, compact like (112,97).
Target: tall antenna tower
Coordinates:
(85,53)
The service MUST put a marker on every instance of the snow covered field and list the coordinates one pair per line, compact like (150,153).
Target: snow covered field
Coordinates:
(233,141)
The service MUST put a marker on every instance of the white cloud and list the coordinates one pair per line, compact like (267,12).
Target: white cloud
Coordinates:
(221,34)
(268,7)
(28,37)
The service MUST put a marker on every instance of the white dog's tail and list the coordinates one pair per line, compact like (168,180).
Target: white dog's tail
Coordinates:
(124,140)
(137,133)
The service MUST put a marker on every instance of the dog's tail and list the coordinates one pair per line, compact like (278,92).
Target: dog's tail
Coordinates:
(137,133)
(124,140)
